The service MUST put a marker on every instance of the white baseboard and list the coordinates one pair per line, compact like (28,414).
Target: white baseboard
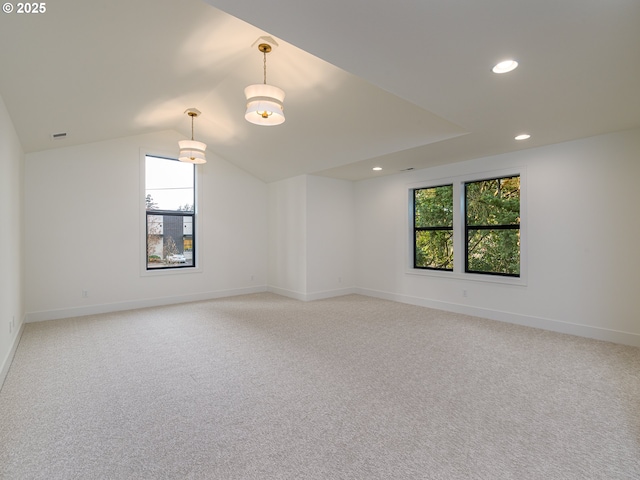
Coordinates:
(286,293)
(134,304)
(597,333)
(6,362)
(307,297)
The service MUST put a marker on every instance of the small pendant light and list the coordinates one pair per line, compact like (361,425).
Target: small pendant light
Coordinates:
(190,150)
(264,102)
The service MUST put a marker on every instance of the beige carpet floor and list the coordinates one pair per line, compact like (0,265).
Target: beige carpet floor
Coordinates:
(264,387)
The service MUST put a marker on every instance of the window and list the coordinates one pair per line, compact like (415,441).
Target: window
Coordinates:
(492,226)
(170,213)
(433,228)
(468,226)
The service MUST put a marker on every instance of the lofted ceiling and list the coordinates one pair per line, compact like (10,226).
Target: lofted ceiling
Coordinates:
(399,85)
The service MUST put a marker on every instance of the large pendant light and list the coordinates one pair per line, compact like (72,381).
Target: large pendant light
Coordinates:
(264,102)
(190,150)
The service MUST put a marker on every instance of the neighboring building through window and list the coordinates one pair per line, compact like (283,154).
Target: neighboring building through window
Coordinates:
(433,227)
(170,213)
(492,226)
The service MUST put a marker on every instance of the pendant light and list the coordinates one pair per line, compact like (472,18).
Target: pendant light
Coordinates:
(190,150)
(264,102)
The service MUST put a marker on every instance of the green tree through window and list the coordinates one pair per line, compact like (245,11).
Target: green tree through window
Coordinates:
(492,226)
(433,227)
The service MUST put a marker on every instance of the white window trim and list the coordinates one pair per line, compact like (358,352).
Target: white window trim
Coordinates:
(458,272)
(144,272)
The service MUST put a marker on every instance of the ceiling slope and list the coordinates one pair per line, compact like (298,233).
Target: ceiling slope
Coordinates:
(394,84)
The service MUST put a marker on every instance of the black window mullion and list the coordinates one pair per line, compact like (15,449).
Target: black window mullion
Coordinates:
(469,228)
(440,224)
(466,227)
(177,229)
(422,229)
(172,213)
(509,226)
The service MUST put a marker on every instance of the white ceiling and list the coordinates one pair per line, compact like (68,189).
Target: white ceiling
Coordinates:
(403,84)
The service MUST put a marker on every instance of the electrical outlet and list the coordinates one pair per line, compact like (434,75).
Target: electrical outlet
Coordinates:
(464,293)
(252,277)
(85,293)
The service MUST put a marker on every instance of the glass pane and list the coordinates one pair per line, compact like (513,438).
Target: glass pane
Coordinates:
(169,241)
(433,207)
(169,184)
(434,249)
(493,202)
(494,251)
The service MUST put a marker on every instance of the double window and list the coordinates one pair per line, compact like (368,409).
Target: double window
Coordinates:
(170,213)
(487,236)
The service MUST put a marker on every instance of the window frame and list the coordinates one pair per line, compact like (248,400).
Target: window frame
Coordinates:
(171,213)
(468,228)
(459,239)
(417,229)
(144,213)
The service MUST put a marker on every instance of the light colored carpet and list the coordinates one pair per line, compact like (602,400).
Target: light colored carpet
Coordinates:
(265,387)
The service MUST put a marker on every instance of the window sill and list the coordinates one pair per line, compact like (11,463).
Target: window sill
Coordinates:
(169,271)
(468,277)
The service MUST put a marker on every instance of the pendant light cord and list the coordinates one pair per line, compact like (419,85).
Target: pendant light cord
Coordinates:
(265,66)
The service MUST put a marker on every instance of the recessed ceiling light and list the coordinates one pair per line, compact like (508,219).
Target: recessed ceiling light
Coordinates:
(377,169)
(524,136)
(504,67)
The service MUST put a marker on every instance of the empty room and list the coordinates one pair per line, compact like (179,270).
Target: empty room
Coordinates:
(332,240)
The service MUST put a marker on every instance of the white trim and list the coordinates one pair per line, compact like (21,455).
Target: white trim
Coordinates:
(597,333)
(6,363)
(458,272)
(307,297)
(468,277)
(287,293)
(144,272)
(329,294)
(135,304)
(168,271)
(559,326)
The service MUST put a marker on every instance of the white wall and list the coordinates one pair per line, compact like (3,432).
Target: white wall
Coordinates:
(84,227)
(11,230)
(330,236)
(582,242)
(311,237)
(288,237)
(320,237)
